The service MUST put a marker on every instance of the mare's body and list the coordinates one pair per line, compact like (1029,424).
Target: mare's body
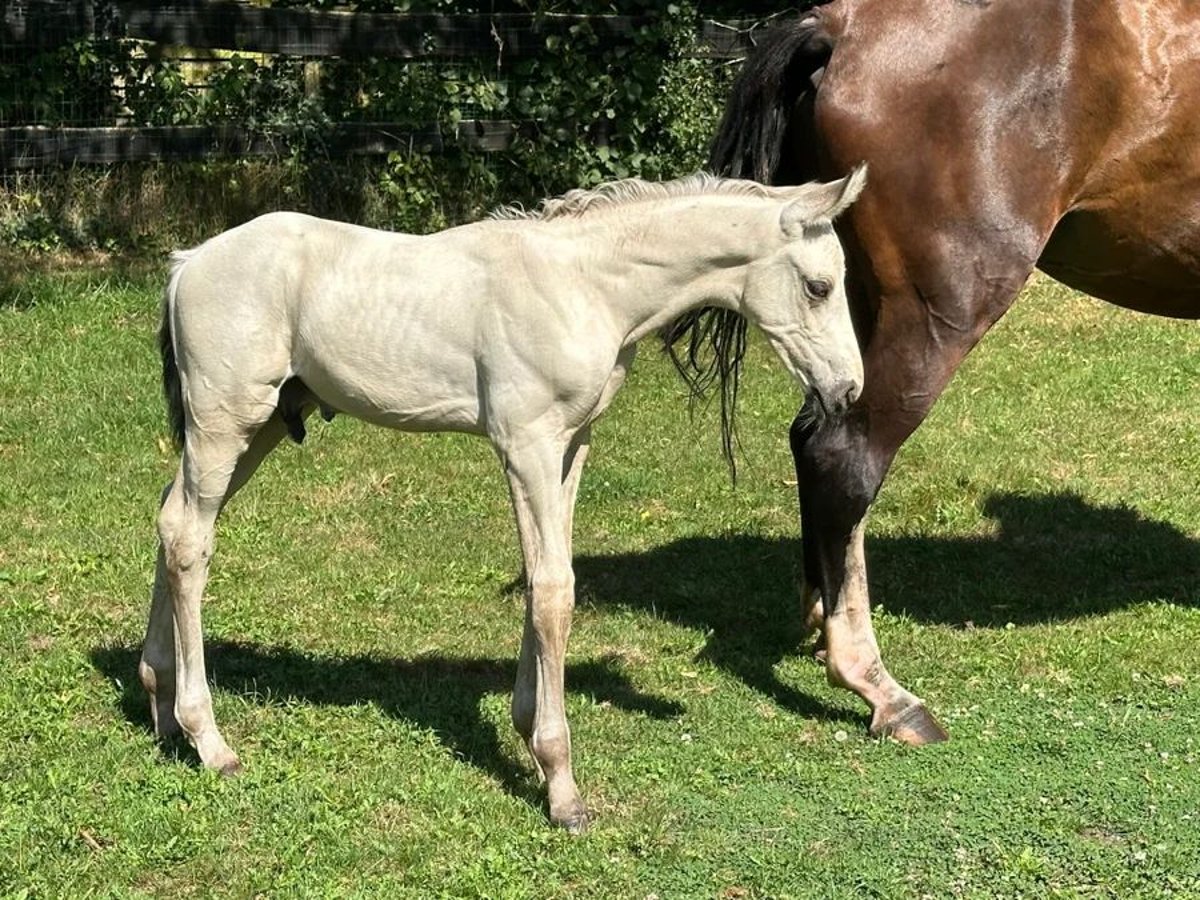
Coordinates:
(1002,136)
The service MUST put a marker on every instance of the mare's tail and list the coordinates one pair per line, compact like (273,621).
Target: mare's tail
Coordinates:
(172,388)
(771,103)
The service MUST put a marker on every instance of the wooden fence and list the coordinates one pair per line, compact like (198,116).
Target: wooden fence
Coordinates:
(37,25)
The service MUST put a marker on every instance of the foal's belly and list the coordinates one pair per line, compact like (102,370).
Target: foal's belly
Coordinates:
(1149,263)
(410,387)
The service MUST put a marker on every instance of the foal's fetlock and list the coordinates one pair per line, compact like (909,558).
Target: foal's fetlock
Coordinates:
(202,733)
(161,692)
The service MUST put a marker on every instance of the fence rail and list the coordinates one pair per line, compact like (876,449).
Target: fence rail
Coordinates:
(32,26)
(229,25)
(34,147)
(319,33)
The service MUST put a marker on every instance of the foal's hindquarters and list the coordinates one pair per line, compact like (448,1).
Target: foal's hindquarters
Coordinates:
(232,423)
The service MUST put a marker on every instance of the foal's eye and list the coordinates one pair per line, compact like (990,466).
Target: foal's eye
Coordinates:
(817,288)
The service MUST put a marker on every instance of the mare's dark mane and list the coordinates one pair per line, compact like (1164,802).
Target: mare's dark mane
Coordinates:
(706,345)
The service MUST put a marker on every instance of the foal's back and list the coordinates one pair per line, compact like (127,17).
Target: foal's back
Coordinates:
(399,330)
(376,324)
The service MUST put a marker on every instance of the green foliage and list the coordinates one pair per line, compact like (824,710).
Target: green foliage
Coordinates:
(588,112)
(69,85)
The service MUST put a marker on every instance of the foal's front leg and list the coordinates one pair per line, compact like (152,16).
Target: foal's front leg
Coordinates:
(536,478)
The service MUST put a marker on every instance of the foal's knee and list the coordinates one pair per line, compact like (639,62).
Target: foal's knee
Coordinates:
(183,544)
(553,594)
(553,584)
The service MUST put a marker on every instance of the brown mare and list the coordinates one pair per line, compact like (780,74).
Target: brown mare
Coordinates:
(1001,135)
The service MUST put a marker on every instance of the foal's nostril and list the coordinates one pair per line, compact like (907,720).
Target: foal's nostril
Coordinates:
(844,394)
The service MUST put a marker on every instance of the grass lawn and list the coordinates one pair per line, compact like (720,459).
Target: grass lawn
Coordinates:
(1035,567)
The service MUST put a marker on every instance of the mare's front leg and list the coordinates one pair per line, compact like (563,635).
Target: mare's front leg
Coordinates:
(542,480)
(840,471)
(914,350)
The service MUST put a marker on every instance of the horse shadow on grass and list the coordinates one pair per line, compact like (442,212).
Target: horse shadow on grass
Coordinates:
(1050,557)
(440,693)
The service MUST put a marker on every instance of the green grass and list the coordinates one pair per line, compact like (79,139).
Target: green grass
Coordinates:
(1035,568)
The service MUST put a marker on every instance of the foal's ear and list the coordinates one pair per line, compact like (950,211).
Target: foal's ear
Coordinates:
(822,202)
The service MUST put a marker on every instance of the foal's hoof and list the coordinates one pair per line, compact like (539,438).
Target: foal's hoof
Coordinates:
(232,769)
(914,726)
(575,821)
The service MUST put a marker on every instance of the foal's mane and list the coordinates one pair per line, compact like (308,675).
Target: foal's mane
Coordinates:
(578,202)
(706,346)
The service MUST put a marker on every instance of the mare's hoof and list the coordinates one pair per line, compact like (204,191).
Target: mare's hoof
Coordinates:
(914,726)
(232,768)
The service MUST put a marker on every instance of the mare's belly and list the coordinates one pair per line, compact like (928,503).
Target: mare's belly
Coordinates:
(1147,263)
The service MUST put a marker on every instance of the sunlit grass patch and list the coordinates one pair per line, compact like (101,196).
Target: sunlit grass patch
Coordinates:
(1035,563)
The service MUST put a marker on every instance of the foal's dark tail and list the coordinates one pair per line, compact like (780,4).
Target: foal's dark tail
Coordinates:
(172,388)
(770,104)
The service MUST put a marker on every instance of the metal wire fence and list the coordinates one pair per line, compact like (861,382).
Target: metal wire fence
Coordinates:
(129,123)
(102,82)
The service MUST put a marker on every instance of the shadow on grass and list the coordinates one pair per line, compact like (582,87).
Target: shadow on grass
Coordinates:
(440,693)
(1053,557)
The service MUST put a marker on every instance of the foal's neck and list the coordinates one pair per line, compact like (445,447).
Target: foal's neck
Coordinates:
(680,254)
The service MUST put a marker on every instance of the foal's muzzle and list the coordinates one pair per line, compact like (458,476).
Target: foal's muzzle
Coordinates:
(836,400)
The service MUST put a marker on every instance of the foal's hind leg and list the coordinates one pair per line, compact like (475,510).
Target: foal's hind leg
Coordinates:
(539,713)
(158,667)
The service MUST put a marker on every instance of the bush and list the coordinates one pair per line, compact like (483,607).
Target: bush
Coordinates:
(592,113)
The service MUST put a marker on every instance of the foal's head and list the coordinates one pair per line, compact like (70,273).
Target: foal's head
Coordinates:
(797,295)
